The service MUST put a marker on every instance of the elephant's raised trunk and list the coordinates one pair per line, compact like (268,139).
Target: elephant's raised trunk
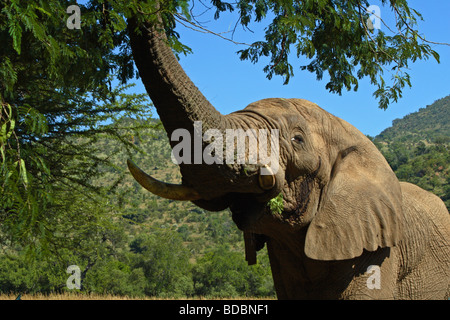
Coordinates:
(180,105)
(177,100)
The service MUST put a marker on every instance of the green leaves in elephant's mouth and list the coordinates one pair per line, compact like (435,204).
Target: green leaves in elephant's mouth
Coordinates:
(275,205)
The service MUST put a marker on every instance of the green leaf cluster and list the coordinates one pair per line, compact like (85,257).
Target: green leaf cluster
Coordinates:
(223,273)
(276,204)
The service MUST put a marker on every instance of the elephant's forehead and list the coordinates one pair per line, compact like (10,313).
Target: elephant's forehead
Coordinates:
(272,104)
(291,110)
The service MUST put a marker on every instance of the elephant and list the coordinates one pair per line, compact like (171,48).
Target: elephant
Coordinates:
(347,228)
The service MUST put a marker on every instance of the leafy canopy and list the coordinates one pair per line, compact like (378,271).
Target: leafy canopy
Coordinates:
(59,94)
(335,37)
(57,97)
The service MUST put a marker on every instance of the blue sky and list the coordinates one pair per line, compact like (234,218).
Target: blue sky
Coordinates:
(230,84)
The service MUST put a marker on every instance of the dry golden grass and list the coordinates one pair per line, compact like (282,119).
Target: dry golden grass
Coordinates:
(78,296)
(66,296)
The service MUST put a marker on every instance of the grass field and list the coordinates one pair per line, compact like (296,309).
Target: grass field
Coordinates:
(66,296)
(74,296)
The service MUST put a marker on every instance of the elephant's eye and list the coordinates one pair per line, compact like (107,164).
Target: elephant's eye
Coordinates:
(297,139)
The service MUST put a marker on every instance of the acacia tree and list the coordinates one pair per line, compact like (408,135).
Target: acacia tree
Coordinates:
(57,98)
(56,95)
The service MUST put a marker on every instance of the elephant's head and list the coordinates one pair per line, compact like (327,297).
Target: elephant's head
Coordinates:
(334,182)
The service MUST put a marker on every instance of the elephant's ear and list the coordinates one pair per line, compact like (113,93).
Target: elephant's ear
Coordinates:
(360,208)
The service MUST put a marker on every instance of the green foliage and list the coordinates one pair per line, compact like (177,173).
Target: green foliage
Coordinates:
(130,242)
(18,275)
(56,100)
(335,37)
(164,262)
(276,204)
(112,276)
(66,127)
(223,273)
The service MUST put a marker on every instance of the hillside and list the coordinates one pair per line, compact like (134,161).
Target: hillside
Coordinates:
(431,124)
(418,148)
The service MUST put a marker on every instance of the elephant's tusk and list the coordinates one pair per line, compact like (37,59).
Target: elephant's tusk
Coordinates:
(162,189)
(267,181)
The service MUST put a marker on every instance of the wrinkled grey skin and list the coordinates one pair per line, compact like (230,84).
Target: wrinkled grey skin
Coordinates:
(343,209)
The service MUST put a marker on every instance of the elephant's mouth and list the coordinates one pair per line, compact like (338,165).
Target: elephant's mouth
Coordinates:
(246,211)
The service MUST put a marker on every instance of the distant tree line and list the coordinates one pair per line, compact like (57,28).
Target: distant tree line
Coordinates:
(155,264)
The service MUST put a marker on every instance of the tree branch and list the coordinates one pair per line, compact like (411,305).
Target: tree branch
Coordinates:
(190,25)
(415,32)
